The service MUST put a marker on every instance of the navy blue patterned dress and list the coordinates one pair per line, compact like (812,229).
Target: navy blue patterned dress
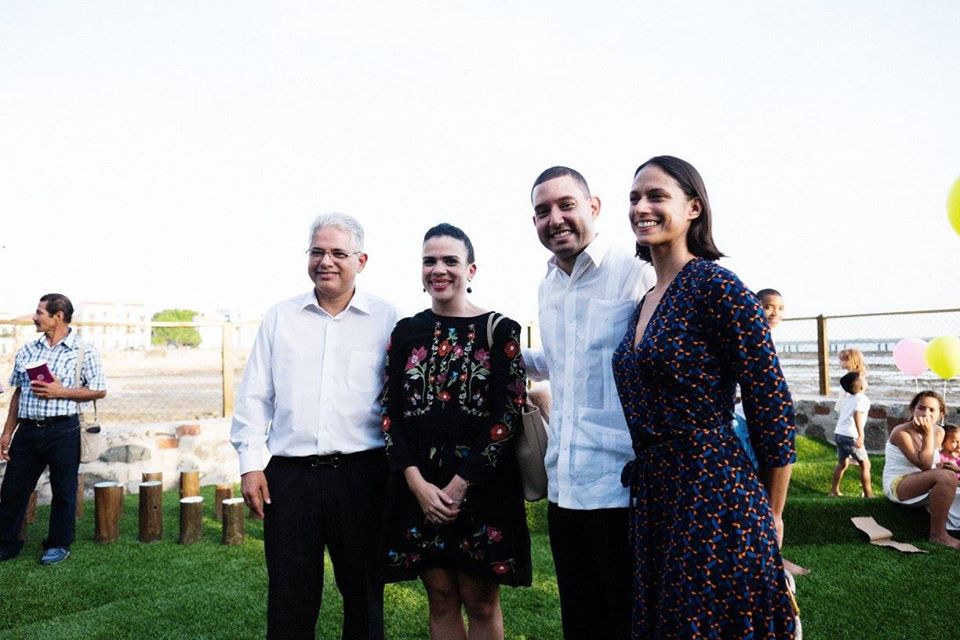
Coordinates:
(705,543)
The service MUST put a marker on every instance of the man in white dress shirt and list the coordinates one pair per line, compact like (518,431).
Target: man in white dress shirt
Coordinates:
(309,402)
(587,300)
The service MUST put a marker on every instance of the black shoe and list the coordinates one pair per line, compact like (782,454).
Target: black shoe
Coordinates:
(8,554)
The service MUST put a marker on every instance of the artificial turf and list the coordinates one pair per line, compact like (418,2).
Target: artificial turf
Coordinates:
(164,590)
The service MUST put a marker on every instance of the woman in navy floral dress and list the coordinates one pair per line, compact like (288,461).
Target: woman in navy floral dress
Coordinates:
(452,404)
(705,524)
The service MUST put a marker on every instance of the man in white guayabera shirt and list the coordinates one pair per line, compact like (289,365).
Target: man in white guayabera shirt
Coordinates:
(586,302)
(310,396)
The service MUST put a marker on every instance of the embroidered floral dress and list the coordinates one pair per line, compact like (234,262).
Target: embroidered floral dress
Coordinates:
(452,407)
(705,544)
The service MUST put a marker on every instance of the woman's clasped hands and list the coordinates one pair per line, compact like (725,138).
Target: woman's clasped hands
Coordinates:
(440,506)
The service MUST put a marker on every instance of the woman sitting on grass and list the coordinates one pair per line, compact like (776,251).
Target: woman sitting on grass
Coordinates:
(911,476)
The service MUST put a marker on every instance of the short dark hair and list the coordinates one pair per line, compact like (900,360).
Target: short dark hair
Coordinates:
(850,382)
(699,235)
(559,172)
(949,428)
(763,293)
(447,230)
(58,302)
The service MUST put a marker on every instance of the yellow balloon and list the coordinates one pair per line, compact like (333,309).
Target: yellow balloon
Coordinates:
(953,205)
(943,356)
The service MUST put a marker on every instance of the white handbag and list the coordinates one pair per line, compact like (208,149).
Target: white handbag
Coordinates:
(91,443)
(530,444)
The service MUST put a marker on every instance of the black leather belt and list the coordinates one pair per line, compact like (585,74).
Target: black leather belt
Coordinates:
(46,422)
(332,460)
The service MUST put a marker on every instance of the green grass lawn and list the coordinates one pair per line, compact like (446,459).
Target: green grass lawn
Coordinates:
(857,590)
(164,590)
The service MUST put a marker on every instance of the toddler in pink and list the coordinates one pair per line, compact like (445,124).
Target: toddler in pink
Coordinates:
(950,449)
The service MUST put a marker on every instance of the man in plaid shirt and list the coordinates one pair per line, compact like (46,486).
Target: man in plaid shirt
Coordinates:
(44,417)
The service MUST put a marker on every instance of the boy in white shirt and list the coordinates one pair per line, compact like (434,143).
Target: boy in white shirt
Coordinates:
(853,410)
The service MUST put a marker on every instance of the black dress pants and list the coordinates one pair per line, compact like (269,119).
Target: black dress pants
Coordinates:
(35,447)
(325,502)
(594,563)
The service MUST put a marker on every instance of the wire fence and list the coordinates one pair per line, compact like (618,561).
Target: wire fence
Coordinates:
(805,361)
(152,382)
(164,383)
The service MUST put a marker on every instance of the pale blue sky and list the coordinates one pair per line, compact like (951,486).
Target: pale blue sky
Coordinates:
(174,153)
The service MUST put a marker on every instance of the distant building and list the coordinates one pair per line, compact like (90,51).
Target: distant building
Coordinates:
(7,345)
(211,336)
(246,323)
(13,336)
(126,325)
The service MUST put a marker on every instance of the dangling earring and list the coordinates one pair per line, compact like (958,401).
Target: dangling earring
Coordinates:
(469,289)
(424,289)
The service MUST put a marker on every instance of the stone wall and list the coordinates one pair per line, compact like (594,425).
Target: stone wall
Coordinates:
(816,418)
(167,447)
(205,446)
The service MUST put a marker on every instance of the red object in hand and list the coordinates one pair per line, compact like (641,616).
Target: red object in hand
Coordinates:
(39,372)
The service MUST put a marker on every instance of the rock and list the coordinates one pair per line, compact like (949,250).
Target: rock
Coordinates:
(126,453)
(188,430)
(166,442)
(816,431)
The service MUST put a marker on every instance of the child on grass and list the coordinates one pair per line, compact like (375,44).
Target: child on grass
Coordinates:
(852,360)
(771,303)
(950,449)
(853,410)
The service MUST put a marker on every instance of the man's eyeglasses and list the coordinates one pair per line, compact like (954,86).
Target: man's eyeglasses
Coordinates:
(337,255)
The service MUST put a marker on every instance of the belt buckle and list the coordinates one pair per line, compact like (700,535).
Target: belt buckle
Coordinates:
(330,460)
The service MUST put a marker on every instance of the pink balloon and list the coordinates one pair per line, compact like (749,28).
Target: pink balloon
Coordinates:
(910,356)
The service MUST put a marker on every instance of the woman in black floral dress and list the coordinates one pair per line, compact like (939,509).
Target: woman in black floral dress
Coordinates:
(704,528)
(451,407)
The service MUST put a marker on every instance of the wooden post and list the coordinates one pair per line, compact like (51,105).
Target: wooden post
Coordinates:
(108,505)
(78,512)
(233,521)
(223,492)
(227,368)
(31,515)
(191,519)
(823,355)
(151,511)
(150,476)
(189,483)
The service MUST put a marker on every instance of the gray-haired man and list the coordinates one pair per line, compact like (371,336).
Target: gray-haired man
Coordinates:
(309,396)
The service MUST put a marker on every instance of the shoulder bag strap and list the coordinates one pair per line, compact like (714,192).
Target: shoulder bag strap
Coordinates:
(78,382)
(492,321)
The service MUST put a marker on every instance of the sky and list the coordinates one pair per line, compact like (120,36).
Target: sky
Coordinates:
(175,153)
